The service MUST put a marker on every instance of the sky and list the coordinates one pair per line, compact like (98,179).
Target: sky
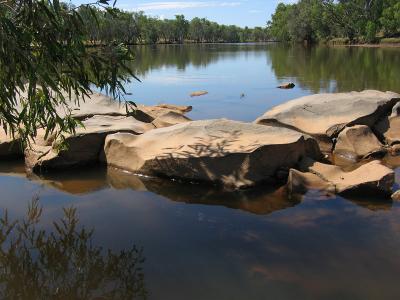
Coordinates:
(231,12)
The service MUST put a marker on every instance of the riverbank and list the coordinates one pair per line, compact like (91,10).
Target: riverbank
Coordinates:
(382,42)
(384,45)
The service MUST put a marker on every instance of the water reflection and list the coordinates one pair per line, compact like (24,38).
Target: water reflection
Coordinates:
(338,69)
(261,200)
(148,58)
(170,73)
(318,247)
(331,69)
(63,263)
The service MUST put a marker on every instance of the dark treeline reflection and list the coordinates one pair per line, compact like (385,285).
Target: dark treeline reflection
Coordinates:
(63,263)
(338,69)
(150,57)
(331,69)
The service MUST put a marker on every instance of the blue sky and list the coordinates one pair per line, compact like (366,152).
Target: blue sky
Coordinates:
(238,12)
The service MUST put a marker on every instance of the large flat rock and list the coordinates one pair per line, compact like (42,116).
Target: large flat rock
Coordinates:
(226,152)
(325,115)
(96,104)
(84,147)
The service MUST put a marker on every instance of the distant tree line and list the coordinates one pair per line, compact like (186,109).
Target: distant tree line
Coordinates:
(318,20)
(137,28)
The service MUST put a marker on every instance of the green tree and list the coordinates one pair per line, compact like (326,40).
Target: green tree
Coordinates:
(44,63)
(279,26)
(181,28)
(390,19)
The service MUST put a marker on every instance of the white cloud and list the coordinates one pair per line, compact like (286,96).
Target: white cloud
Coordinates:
(256,11)
(182,5)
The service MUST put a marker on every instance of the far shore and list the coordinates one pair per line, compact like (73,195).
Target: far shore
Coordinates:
(380,45)
(367,45)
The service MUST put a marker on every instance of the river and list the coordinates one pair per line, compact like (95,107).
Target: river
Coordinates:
(204,243)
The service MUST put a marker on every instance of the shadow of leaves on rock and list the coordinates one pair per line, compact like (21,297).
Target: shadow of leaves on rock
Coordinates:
(216,157)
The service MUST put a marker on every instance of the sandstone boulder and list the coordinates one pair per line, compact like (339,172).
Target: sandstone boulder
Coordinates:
(396,196)
(300,183)
(9,147)
(166,115)
(394,150)
(389,129)
(369,178)
(357,142)
(96,104)
(325,115)
(85,146)
(102,105)
(226,152)
(198,93)
(178,108)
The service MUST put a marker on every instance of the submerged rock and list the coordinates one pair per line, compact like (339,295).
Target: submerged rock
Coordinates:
(324,116)
(372,177)
(357,142)
(226,152)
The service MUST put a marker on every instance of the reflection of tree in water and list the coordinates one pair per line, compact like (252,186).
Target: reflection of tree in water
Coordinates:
(63,264)
(148,58)
(331,69)
(337,69)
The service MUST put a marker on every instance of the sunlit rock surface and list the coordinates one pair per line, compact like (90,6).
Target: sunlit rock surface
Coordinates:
(357,142)
(300,183)
(324,116)
(226,152)
(85,146)
(9,147)
(372,177)
(100,115)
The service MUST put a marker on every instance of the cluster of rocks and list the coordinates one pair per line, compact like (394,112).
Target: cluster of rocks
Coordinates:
(330,142)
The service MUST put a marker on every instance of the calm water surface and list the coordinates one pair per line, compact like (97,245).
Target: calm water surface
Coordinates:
(204,243)
(171,73)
